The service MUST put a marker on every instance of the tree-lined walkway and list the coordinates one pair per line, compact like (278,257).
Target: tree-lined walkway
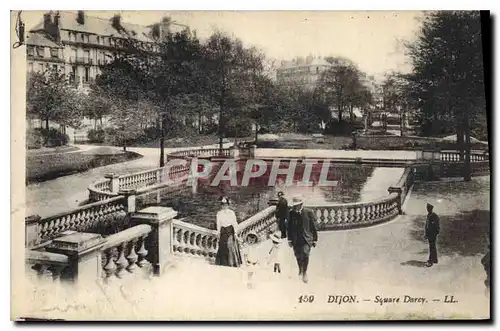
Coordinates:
(385,260)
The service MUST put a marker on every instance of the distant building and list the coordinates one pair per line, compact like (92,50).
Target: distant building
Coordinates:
(302,71)
(78,44)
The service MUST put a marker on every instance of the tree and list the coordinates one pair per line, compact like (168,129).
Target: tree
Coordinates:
(50,97)
(447,79)
(341,87)
(233,72)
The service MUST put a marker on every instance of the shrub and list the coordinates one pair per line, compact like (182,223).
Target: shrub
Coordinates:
(343,128)
(34,139)
(48,138)
(96,136)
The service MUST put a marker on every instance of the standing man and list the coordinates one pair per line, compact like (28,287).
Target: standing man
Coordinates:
(431,232)
(282,213)
(302,234)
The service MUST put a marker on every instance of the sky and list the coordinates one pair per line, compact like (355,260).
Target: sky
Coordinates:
(371,39)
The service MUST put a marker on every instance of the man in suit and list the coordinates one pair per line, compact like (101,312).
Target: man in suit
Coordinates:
(282,213)
(302,234)
(431,232)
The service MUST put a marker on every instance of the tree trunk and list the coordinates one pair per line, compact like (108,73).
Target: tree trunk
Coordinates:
(467,166)
(124,147)
(47,123)
(460,139)
(162,141)
(221,125)
(95,123)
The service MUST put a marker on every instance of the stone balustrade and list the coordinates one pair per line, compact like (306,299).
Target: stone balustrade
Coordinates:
(454,156)
(123,252)
(140,179)
(353,215)
(190,240)
(261,223)
(47,264)
(82,218)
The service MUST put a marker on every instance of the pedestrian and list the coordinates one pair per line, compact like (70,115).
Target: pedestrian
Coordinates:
(485,261)
(251,257)
(276,253)
(228,253)
(431,233)
(302,234)
(282,213)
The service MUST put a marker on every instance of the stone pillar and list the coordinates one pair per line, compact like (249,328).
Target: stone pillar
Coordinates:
(400,196)
(31,231)
(253,149)
(234,152)
(159,242)
(193,178)
(84,255)
(130,195)
(115,183)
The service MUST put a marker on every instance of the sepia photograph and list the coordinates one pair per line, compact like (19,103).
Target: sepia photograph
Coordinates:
(250,165)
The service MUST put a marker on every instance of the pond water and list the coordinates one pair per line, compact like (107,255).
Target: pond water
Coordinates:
(354,183)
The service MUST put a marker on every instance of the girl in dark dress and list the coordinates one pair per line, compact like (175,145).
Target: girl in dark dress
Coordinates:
(228,253)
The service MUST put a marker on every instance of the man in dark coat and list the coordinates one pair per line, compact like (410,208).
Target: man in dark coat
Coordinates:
(431,232)
(282,213)
(302,235)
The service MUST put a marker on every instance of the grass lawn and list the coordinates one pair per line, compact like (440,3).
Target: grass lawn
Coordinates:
(42,167)
(362,142)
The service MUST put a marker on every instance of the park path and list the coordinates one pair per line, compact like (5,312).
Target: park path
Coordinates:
(63,193)
(384,260)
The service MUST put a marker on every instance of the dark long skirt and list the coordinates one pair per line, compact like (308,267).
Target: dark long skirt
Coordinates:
(228,254)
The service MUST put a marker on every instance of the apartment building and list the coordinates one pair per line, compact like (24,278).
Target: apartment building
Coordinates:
(301,71)
(78,44)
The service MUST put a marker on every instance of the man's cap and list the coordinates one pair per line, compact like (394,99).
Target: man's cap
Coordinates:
(275,238)
(297,201)
(429,205)
(280,193)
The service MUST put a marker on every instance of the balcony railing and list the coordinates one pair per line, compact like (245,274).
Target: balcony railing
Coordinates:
(80,60)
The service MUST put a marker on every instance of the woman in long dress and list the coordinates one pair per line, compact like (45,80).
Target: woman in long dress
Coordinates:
(228,253)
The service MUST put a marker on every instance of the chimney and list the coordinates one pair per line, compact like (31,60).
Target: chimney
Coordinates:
(56,19)
(47,21)
(80,17)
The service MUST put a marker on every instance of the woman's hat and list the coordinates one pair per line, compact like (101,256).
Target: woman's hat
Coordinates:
(225,200)
(275,238)
(297,201)
(252,234)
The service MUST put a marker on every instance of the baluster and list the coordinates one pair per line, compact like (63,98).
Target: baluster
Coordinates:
(110,266)
(336,215)
(132,256)
(56,272)
(41,269)
(121,262)
(142,252)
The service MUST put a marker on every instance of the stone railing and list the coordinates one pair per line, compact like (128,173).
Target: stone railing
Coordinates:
(140,179)
(47,264)
(454,156)
(261,223)
(187,154)
(189,240)
(39,230)
(123,252)
(359,214)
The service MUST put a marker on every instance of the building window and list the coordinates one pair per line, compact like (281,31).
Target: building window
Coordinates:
(40,51)
(30,66)
(31,51)
(86,56)
(54,67)
(73,54)
(83,37)
(87,75)
(54,52)
(98,40)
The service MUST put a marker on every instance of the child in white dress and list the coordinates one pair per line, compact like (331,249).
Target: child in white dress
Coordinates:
(251,258)
(276,253)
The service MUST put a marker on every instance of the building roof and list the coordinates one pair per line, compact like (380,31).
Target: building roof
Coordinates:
(104,27)
(40,39)
(304,63)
